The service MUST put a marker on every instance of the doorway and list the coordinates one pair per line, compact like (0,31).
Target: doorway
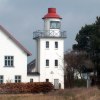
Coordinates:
(56,83)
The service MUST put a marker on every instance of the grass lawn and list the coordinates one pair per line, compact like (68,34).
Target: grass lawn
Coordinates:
(67,94)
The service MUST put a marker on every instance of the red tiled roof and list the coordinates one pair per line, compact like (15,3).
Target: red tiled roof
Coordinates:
(15,41)
(52,14)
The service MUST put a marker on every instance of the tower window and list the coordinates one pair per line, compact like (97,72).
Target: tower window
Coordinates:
(55,25)
(47,62)
(56,44)
(47,44)
(31,80)
(56,62)
(47,80)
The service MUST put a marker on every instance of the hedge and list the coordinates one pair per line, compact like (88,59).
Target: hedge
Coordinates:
(75,83)
(36,87)
(80,83)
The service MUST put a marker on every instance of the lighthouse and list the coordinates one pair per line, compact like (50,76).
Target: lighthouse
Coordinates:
(50,50)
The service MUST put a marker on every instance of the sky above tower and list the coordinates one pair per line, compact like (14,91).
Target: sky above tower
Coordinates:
(22,17)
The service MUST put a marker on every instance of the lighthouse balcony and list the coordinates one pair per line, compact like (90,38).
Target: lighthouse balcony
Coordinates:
(49,34)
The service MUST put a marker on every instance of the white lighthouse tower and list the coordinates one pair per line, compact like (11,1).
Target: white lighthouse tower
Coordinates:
(50,50)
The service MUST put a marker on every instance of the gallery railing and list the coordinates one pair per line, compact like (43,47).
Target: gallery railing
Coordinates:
(49,33)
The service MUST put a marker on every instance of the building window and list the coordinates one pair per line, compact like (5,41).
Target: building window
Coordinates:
(56,62)
(31,80)
(47,44)
(55,25)
(56,44)
(9,61)
(17,79)
(47,80)
(1,79)
(47,62)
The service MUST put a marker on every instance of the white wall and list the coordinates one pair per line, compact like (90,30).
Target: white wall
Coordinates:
(9,48)
(51,53)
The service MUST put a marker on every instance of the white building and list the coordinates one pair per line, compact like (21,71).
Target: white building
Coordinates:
(50,51)
(13,58)
(49,62)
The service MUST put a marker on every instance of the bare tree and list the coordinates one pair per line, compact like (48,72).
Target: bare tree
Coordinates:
(74,62)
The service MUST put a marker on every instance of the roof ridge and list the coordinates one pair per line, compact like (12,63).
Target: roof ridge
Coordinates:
(15,41)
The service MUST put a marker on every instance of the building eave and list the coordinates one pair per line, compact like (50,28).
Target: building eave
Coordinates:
(33,73)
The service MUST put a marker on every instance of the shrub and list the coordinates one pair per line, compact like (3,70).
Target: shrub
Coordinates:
(75,83)
(80,83)
(35,87)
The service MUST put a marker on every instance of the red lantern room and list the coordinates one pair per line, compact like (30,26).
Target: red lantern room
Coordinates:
(51,14)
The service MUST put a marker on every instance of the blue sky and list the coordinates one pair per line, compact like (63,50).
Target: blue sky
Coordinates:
(22,17)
